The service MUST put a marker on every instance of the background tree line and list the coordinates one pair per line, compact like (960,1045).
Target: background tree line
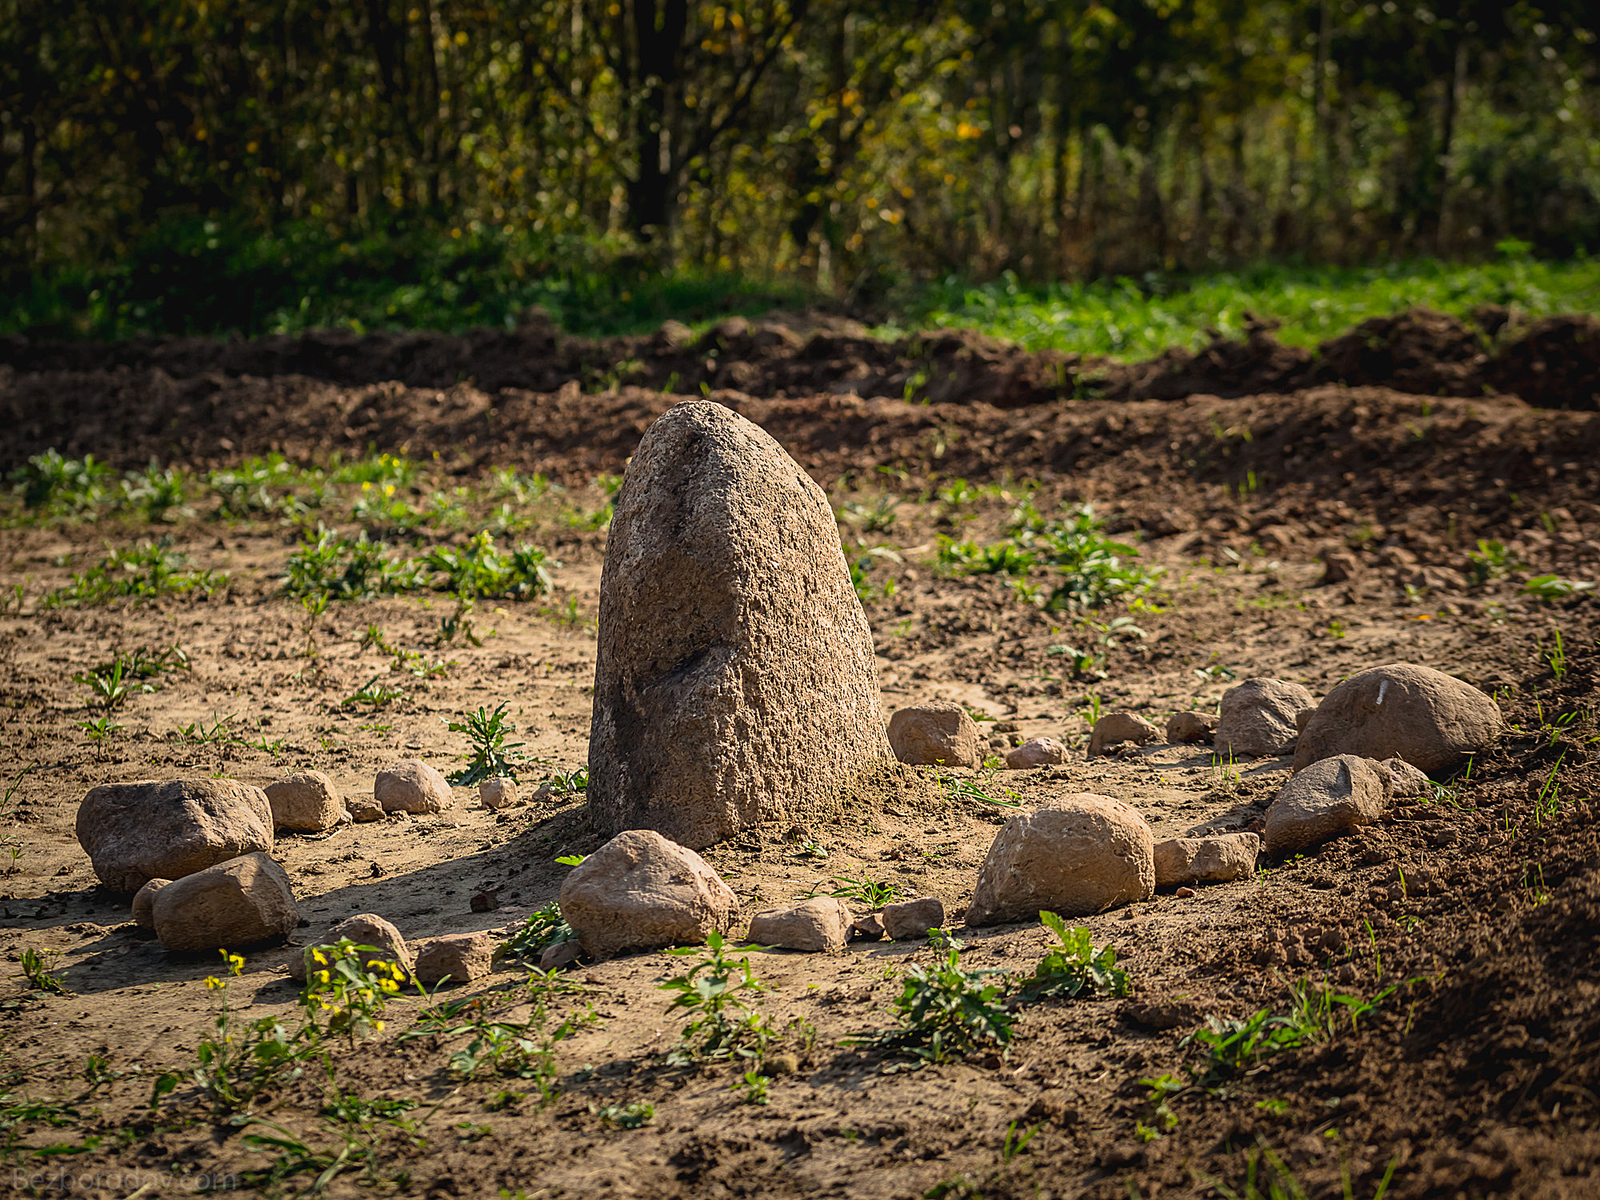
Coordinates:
(838,143)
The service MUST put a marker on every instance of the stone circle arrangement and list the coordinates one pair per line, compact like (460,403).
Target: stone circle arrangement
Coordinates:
(736,685)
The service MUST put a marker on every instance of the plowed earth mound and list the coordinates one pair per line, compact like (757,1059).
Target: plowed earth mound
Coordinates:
(1469,918)
(1555,363)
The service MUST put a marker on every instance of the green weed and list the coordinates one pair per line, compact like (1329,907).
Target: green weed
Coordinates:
(947,1012)
(1074,967)
(148,573)
(36,969)
(490,754)
(634,1115)
(722,1022)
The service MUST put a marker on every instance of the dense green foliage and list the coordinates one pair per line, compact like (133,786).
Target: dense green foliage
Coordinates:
(448,163)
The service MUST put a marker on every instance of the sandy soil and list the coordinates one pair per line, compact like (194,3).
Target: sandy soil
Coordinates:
(1476,920)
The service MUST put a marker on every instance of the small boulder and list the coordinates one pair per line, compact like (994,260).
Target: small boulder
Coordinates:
(868,927)
(363,809)
(910,920)
(1339,566)
(136,832)
(1113,729)
(1408,781)
(363,929)
(1216,859)
(1184,728)
(1327,798)
(1258,717)
(462,957)
(641,892)
(306,802)
(144,903)
(1036,752)
(1077,855)
(411,786)
(1425,717)
(820,923)
(235,904)
(498,792)
(559,955)
(937,733)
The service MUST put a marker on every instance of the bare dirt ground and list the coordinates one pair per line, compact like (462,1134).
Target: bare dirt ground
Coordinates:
(1471,917)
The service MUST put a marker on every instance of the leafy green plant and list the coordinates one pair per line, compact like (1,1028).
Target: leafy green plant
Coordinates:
(1074,966)
(1553,587)
(348,987)
(347,568)
(109,689)
(543,927)
(220,732)
(100,730)
(863,889)
(374,694)
(1092,569)
(36,969)
(1491,560)
(634,1115)
(58,486)
(948,1012)
(478,569)
(1235,1046)
(722,1023)
(10,843)
(147,573)
(490,753)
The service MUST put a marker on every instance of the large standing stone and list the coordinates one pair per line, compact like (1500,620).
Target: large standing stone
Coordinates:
(735,681)
(937,733)
(232,905)
(306,802)
(641,892)
(136,832)
(1077,855)
(1431,720)
(1257,717)
(1327,798)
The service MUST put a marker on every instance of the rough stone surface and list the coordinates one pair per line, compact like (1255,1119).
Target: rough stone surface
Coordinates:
(497,792)
(868,927)
(1408,781)
(1258,717)
(642,892)
(1427,718)
(1115,728)
(144,903)
(1187,727)
(1036,752)
(363,809)
(910,920)
(306,802)
(820,923)
(934,733)
(1076,855)
(559,956)
(364,929)
(1216,859)
(235,904)
(136,832)
(735,680)
(411,786)
(1327,798)
(463,957)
